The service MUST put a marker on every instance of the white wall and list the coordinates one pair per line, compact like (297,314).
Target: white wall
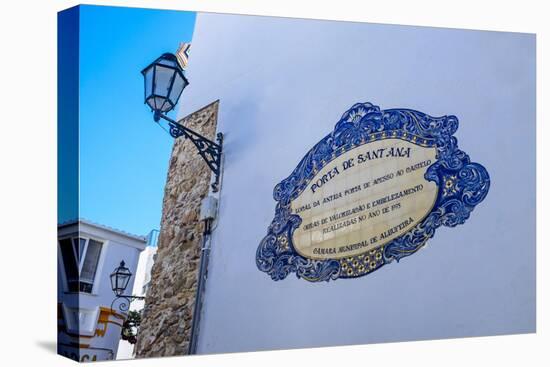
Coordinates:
(283,84)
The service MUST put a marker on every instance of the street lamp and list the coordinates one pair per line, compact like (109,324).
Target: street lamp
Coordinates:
(120,277)
(164,82)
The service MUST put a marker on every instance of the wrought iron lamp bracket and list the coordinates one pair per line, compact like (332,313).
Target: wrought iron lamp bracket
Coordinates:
(210,151)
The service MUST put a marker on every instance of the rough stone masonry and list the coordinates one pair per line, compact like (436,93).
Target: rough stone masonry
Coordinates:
(167,316)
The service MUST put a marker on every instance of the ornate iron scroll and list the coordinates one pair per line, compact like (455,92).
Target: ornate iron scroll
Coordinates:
(461,185)
(124,302)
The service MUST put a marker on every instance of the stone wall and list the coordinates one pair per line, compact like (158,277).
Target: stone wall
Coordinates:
(168,311)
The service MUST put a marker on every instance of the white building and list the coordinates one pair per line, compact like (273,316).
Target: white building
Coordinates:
(142,281)
(88,328)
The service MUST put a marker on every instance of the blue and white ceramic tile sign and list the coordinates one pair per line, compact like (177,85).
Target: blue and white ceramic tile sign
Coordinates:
(372,191)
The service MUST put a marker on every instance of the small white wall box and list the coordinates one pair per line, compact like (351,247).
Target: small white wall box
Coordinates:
(209,207)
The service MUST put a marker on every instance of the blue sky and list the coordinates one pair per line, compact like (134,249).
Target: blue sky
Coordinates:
(123,154)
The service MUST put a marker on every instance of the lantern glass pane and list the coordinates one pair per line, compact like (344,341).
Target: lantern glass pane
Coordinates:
(148,81)
(123,281)
(167,106)
(113,282)
(163,80)
(177,88)
(160,103)
(151,102)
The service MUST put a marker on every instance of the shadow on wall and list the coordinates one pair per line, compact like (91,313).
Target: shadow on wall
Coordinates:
(245,136)
(47,345)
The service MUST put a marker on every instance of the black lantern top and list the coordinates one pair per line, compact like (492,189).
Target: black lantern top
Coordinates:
(120,278)
(164,83)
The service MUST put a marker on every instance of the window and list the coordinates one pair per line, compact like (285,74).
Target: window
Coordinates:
(80,258)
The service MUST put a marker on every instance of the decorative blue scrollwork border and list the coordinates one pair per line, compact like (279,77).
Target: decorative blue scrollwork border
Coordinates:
(462,185)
